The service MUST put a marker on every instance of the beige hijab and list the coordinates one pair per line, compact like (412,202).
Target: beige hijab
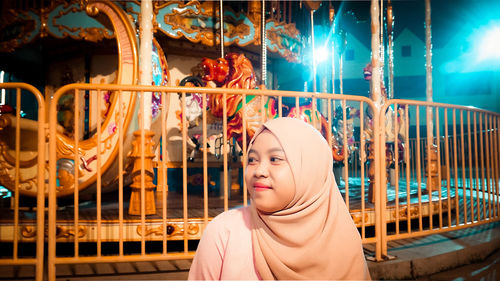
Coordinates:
(314,237)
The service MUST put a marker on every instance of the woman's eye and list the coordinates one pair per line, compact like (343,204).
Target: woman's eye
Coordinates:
(251,160)
(276,159)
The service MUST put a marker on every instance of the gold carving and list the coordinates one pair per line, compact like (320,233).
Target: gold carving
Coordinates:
(403,212)
(66,180)
(91,10)
(4,122)
(4,151)
(275,36)
(7,172)
(172,230)
(65,232)
(92,34)
(28,231)
(135,154)
(206,35)
(432,172)
(24,21)
(357,218)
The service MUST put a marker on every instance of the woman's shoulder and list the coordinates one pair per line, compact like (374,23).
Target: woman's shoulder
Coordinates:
(231,217)
(231,221)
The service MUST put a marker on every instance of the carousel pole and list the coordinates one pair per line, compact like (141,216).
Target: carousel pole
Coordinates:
(313,50)
(233,171)
(390,35)
(382,48)
(433,165)
(374,149)
(332,26)
(263,65)
(313,6)
(221,28)
(375,91)
(142,199)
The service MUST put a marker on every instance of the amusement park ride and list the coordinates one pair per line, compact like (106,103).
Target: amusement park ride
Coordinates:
(181,164)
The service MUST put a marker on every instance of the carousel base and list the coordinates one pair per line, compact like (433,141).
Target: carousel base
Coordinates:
(418,208)
(466,254)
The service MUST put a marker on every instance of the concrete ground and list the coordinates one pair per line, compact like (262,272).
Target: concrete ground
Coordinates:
(458,253)
(468,254)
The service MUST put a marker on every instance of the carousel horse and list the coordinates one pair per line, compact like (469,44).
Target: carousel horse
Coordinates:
(235,71)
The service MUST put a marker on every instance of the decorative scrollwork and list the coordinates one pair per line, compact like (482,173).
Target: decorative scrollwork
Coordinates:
(7,171)
(172,230)
(403,212)
(283,39)
(194,21)
(4,122)
(93,33)
(91,10)
(357,218)
(65,232)
(28,231)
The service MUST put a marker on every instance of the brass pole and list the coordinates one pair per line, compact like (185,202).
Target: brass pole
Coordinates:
(263,45)
(221,24)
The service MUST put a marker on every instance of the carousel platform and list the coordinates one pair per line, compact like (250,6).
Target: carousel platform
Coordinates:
(398,209)
(467,254)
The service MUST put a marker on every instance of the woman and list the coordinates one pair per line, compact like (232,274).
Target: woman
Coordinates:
(297,225)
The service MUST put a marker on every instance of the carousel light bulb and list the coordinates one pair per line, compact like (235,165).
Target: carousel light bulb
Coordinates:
(321,54)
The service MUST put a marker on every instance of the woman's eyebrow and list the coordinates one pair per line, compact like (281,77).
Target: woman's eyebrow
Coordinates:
(275,149)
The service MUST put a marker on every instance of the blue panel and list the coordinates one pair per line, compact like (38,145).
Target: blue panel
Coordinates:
(36,20)
(71,20)
(288,43)
(193,17)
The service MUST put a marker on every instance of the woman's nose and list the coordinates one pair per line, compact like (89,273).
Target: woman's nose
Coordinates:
(261,170)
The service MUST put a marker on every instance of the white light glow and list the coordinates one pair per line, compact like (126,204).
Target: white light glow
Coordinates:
(488,48)
(321,54)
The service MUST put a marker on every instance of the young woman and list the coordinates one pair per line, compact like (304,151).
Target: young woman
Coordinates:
(297,225)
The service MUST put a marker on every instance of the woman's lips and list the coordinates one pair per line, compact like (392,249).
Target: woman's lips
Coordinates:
(261,187)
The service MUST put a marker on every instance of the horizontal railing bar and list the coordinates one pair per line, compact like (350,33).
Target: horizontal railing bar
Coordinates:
(178,89)
(435,104)
(125,258)
(391,237)
(18,261)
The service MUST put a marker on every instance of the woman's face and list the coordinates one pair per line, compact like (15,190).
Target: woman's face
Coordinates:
(268,175)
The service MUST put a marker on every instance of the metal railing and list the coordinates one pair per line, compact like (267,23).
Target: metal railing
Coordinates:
(458,172)
(33,228)
(89,222)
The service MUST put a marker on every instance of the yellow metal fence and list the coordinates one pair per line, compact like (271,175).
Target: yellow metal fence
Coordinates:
(13,226)
(92,180)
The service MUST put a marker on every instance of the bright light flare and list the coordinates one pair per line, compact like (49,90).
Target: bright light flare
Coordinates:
(321,54)
(489,47)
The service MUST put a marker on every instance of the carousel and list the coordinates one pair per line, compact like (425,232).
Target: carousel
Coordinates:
(119,135)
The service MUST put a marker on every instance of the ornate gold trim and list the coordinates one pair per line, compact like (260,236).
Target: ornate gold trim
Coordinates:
(126,74)
(92,34)
(29,231)
(173,230)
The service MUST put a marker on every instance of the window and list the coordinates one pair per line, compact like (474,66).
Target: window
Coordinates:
(406,51)
(349,54)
